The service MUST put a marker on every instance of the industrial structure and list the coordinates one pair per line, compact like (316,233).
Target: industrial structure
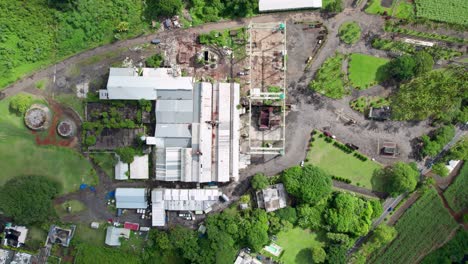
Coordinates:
(197,124)
(281,5)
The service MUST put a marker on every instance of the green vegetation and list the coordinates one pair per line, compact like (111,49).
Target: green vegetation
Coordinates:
(106,161)
(297,244)
(393,27)
(76,207)
(450,11)
(456,194)
(259,181)
(434,144)
(20,103)
(21,156)
(332,6)
(203,11)
(309,183)
(374,7)
(437,94)
(126,154)
(381,236)
(452,252)
(404,10)
(72,101)
(365,71)
(28,199)
(63,28)
(364,103)
(155,61)
(336,162)
(329,78)
(440,169)
(349,32)
(397,179)
(437,52)
(406,67)
(164,8)
(426,224)
(87,253)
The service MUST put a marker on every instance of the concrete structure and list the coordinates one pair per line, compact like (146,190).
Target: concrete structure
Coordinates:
(181,200)
(279,5)
(139,168)
(244,258)
(61,236)
(197,125)
(131,198)
(114,234)
(15,236)
(272,198)
(15,257)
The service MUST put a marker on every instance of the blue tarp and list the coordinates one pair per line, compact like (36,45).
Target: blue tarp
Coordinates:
(91,188)
(110,195)
(83,186)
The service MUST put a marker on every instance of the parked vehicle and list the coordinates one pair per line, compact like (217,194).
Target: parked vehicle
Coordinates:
(328,134)
(302,163)
(352,146)
(156,41)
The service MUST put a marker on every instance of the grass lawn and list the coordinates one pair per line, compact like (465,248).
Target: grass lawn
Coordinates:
(338,163)
(72,101)
(297,244)
(21,156)
(404,10)
(76,206)
(106,161)
(365,71)
(86,234)
(374,7)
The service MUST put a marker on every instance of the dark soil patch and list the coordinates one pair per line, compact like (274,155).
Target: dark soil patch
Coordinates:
(386,3)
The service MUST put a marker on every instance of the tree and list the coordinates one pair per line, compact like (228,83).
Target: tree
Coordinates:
(126,154)
(318,255)
(334,6)
(90,140)
(377,209)
(311,217)
(155,61)
(381,236)
(432,146)
(339,238)
(440,169)
(349,214)
(402,68)
(20,103)
(288,214)
(309,184)
(259,181)
(460,150)
(258,230)
(400,178)
(164,8)
(28,199)
(423,61)
(336,254)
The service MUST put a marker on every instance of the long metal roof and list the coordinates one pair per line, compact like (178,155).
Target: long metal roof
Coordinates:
(174,111)
(131,198)
(173,131)
(270,5)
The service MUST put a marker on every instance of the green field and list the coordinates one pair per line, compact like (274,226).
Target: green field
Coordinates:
(404,10)
(297,244)
(456,194)
(450,11)
(76,207)
(425,225)
(365,71)
(106,161)
(338,163)
(21,156)
(329,78)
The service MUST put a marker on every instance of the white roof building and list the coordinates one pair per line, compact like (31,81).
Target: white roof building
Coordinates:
(272,198)
(131,198)
(197,125)
(278,5)
(113,235)
(181,200)
(121,171)
(139,168)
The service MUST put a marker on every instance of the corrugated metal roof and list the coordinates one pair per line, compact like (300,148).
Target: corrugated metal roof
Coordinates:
(121,170)
(139,168)
(173,131)
(131,198)
(271,5)
(174,111)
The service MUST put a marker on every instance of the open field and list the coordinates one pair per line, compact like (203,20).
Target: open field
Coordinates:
(456,194)
(450,11)
(338,163)
(76,206)
(365,71)
(296,244)
(21,156)
(404,10)
(427,224)
(106,161)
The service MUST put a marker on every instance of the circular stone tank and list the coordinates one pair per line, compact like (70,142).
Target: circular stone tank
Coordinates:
(38,117)
(66,128)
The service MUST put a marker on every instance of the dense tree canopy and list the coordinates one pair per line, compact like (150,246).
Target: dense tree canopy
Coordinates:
(309,184)
(126,154)
(28,199)
(459,151)
(318,255)
(423,62)
(434,144)
(381,236)
(349,214)
(164,8)
(288,213)
(259,181)
(399,178)
(402,68)
(311,216)
(440,169)
(437,94)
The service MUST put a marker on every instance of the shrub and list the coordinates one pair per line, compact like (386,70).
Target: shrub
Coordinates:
(155,61)
(20,103)
(90,140)
(259,181)
(350,32)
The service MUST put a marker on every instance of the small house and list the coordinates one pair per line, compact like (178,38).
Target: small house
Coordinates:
(272,198)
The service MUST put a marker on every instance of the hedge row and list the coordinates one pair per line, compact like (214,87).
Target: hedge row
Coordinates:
(341,179)
(360,156)
(344,148)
